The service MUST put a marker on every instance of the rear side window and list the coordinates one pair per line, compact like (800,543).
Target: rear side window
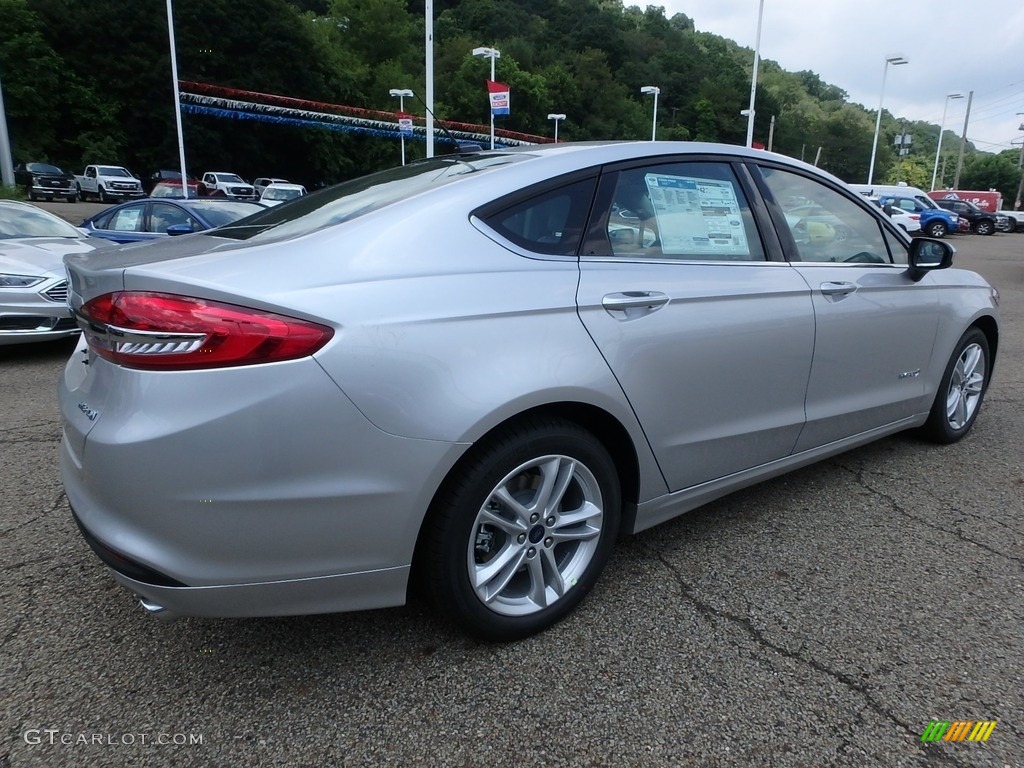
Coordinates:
(551,222)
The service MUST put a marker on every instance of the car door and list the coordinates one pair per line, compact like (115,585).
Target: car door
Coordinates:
(709,335)
(874,325)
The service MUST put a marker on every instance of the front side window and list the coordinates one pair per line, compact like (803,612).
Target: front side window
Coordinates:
(164,215)
(686,211)
(826,225)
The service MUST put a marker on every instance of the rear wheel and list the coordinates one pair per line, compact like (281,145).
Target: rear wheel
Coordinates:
(522,530)
(985,227)
(937,229)
(961,390)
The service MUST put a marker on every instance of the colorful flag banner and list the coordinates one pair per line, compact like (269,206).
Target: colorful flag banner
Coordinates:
(499,93)
(405,124)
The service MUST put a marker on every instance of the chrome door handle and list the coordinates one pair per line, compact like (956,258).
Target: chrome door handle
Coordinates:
(620,302)
(838,289)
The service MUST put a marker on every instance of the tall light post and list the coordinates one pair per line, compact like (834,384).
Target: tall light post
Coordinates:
(6,162)
(177,100)
(895,61)
(556,118)
(942,127)
(428,48)
(753,77)
(1020,169)
(492,54)
(655,90)
(401,93)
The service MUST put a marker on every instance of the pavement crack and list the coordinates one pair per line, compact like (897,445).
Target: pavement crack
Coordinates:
(13,631)
(59,501)
(860,476)
(744,623)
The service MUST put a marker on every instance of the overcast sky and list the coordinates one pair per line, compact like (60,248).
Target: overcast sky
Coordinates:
(951,47)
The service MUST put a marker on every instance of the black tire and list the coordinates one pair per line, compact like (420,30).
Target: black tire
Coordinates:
(103,194)
(937,229)
(985,227)
(962,397)
(551,561)
(73,199)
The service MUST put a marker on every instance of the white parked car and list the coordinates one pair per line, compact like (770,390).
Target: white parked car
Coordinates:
(275,194)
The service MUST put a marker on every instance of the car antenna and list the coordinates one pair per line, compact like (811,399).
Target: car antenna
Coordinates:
(462,147)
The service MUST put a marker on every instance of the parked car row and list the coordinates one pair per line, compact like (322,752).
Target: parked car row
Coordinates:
(33,243)
(110,183)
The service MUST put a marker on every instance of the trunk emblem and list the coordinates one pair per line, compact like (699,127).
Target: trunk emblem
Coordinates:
(90,413)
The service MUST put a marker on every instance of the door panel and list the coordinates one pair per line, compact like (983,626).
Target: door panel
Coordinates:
(875,327)
(711,343)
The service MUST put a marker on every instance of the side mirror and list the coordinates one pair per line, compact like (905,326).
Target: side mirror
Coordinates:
(179,229)
(926,254)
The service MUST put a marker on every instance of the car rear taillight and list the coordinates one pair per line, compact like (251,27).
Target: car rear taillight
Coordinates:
(166,332)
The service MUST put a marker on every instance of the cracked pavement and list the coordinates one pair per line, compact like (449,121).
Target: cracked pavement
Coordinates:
(820,619)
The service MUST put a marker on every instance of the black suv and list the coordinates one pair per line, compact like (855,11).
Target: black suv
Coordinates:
(982,222)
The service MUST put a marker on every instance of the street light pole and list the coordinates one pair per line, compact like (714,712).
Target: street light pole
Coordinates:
(556,118)
(895,61)
(1020,168)
(942,127)
(6,163)
(655,90)
(401,93)
(177,100)
(753,77)
(492,54)
(428,47)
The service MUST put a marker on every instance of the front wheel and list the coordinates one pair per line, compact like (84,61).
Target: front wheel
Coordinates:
(522,530)
(937,229)
(984,227)
(103,195)
(961,390)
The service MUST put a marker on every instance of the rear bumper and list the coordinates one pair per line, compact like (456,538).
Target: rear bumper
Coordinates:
(254,491)
(380,588)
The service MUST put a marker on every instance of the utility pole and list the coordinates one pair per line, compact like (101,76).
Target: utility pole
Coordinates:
(6,166)
(771,134)
(963,142)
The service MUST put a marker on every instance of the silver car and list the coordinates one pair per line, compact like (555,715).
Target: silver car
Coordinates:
(460,374)
(33,284)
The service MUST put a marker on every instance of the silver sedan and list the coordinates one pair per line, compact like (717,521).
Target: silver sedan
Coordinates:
(472,373)
(33,284)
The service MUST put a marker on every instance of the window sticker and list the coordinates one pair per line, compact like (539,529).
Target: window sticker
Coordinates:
(698,216)
(128,220)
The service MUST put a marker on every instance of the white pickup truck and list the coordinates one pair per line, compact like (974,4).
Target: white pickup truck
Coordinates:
(107,183)
(224,184)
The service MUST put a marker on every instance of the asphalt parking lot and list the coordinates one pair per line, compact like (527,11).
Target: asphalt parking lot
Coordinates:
(820,619)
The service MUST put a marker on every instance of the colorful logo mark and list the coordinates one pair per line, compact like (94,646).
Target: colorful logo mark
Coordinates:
(958,730)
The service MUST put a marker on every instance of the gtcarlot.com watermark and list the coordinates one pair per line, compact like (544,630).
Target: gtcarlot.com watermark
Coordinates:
(36,736)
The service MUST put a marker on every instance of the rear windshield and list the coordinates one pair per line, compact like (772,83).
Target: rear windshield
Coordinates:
(357,197)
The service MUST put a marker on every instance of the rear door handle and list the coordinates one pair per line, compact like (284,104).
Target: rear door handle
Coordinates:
(838,289)
(630,304)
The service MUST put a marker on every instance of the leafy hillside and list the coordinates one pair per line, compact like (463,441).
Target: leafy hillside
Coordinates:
(90,82)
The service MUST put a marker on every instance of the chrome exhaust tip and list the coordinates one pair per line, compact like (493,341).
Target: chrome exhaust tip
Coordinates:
(155,609)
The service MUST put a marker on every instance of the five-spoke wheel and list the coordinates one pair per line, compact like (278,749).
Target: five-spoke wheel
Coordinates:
(522,529)
(961,389)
